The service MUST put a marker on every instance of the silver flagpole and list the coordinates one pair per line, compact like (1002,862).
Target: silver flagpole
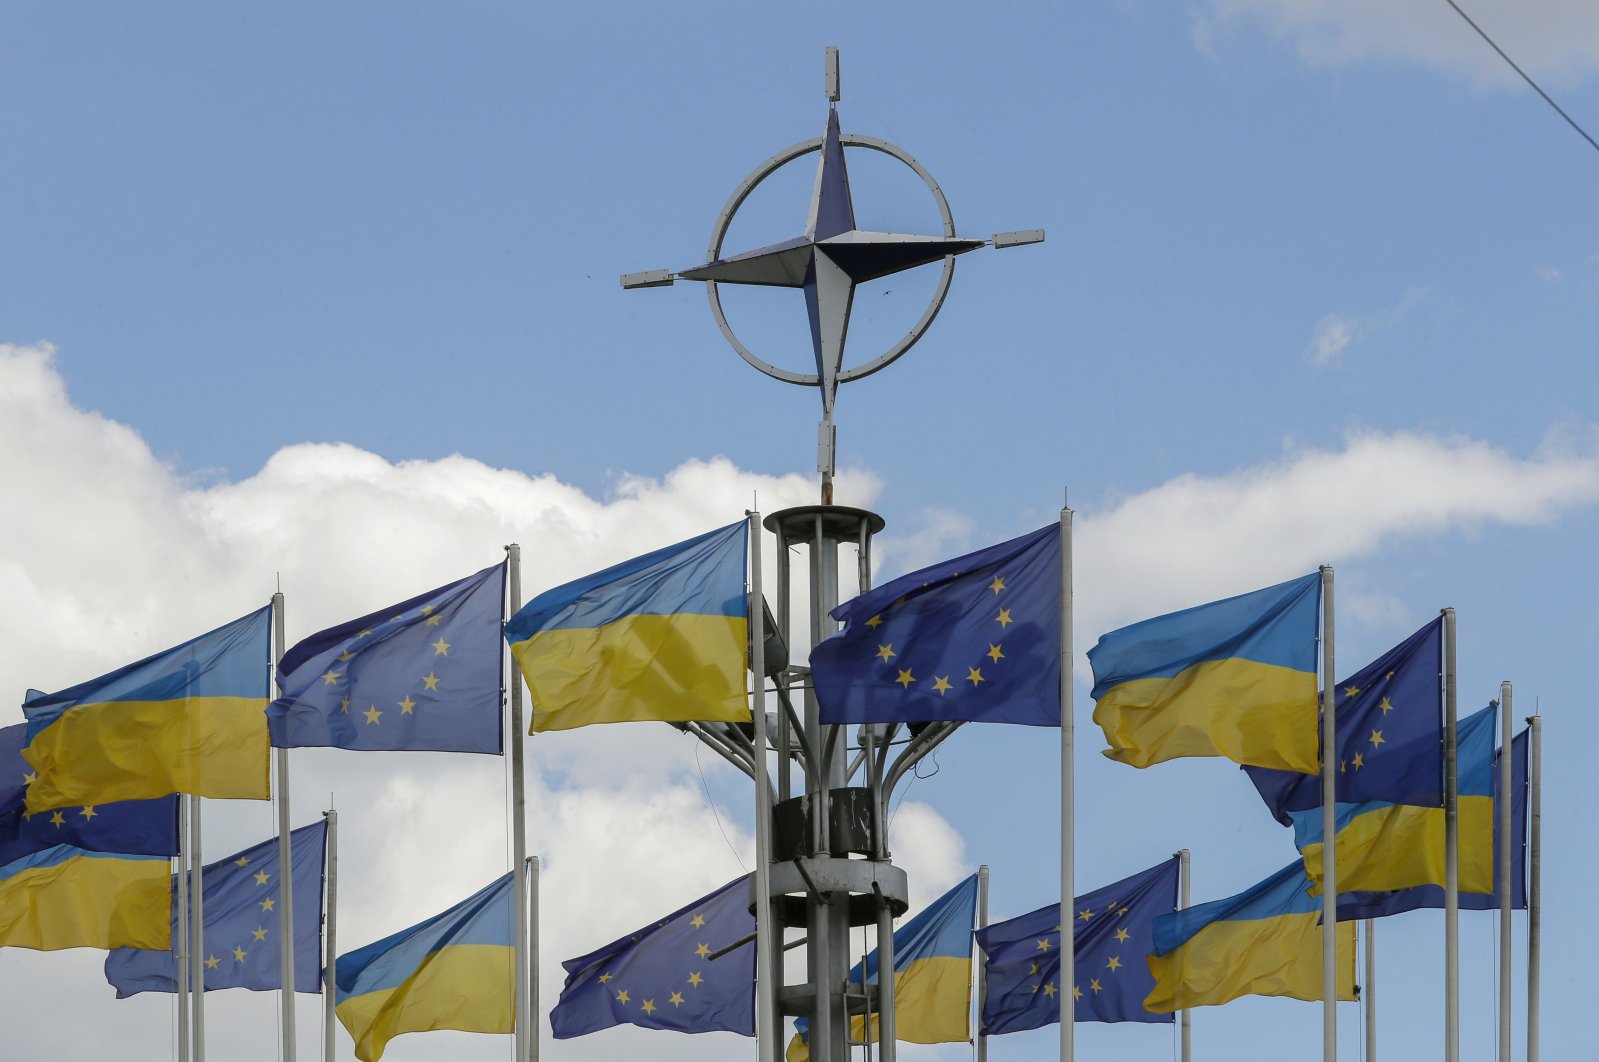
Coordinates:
(533,956)
(184,1025)
(1502,813)
(1451,851)
(766,958)
(1329,826)
(285,861)
(1185,1021)
(1068,931)
(982,968)
(197,930)
(330,936)
(1368,992)
(523,1020)
(1535,884)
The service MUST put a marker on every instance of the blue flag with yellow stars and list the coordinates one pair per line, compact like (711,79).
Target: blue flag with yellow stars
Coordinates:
(1390,735)
(423,674)
(975,638)
(242,924)
(1113,932)
(663,976)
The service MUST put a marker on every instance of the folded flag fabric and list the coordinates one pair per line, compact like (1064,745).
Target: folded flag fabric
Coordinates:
(665,976)
(457,970)
(974,638)
(1265,941)
(242,938)
(93,876)
(422,674)
(932,977)
(187,720)
(1113,932)
(1390,721)
(1369,904)
(1383,846)
(660,637)
(1233,678)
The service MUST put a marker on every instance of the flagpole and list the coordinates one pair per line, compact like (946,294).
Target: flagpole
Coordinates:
(766,959)
(1185,1021)
(982,969)
(197,930)
(518,823)
(1068,933)
(1451,851)
(1535,884)
(285,861)
(1502,813)
(184,1029)
(330,937)
(532,955)
(1368,992)
(1329,826)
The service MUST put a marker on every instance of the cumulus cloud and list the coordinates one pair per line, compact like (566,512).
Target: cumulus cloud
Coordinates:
(1335,333)
(1553,39)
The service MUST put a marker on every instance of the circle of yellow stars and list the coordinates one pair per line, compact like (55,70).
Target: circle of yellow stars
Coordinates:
(905,677)
(1113,963)
(675,999)
(1376,739)
(373,715)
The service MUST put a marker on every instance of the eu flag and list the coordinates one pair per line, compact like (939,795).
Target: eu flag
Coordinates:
(975,638)
(423,674)
(663,976)
(241,939)
(1390,735)
(1113,932)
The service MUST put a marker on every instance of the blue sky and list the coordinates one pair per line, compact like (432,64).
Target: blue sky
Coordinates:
(333,293)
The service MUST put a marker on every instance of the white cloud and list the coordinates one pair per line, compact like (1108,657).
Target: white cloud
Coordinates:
(1553,39)
(1549,274)
(1335,333)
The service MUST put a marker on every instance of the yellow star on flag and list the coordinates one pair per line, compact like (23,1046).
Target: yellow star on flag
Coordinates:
(238,953)
(268,903)
(1049,990)
(974,676)
(697,921)
(941,685)
(372,714)
(997,585)
(1003,619)
(259,932)
(649,1006)
(885,653)
(994,653)
(88,812)
(621,997)
(56,819)
(261,877)
(695,979)
(875,622)
(1376,738)
(430,681)
(440,647)
(905,678)
(1114,964)
(703,950)
(212,962)
(330,678)
(406,705)
(676,1000)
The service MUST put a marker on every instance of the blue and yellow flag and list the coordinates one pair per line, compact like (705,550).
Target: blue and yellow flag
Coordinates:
(457,970)
(1113,933)
(932,976)
(665,976)
(1368,904)
(1383,846)
(242,939)
(974,638)
(660,637)
(1234,678)
(1390,735)
(187,720)
(92,876)
(423,674)
(1266,941)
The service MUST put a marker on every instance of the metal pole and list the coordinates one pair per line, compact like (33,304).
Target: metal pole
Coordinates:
(197,930)
(1535,884)
(285,861)
(1368,992)
(1068,932)
(766,1019)
(518,822)
(1329,825)
(330,937)
(1451,851)
(887,1016)
(982,967)
(1502,813)
(533,954)
(1186,1020)
(182,920)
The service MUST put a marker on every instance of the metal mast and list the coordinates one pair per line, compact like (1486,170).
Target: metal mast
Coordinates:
(831,868)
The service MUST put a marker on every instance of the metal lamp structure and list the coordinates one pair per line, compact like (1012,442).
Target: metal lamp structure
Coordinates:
(829,867)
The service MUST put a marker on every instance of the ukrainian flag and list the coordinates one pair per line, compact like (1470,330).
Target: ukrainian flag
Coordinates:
(932,976)
(660,637)
(1234,678)
(1266,941)
(187,720)
(1384,847)
(66,897)
(457,970)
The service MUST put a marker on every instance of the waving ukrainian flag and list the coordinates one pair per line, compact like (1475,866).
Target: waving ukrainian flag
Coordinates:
(663,636)
(187,720)
(1234,678)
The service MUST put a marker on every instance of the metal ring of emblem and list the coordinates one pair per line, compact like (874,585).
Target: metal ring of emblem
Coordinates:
(771,166)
